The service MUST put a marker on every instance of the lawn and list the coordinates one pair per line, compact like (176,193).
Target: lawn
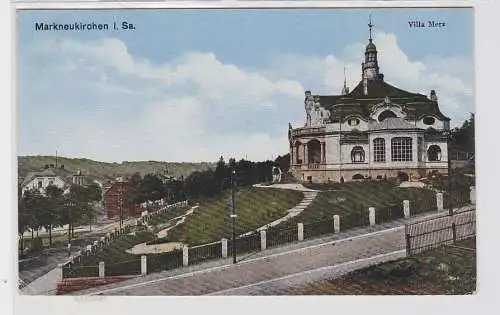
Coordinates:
(210,222)
(351,201)
(449,270)
(157,220)
(254,206)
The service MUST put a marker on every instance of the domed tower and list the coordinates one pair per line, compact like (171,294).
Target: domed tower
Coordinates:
(370,66)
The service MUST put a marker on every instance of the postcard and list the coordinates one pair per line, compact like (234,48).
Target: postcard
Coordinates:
(246,151)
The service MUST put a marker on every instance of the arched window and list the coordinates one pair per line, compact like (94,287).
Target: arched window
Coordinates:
(358,176)
(401,149)
(357,154)
(386,114)
(379,150)
(434,153)
(314,152)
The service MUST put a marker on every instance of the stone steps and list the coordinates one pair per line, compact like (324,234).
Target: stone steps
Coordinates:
(309,197)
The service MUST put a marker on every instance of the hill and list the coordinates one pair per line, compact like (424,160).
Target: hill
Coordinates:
(108,171)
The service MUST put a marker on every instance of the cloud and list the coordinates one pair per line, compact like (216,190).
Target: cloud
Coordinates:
(95,99)
(451,76)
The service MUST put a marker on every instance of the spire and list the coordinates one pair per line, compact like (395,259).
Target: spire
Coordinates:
(345,89)
(370,25)
(370,66)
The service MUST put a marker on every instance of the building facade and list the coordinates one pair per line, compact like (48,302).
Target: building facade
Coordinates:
(52,176)
(115,200)
(375,131)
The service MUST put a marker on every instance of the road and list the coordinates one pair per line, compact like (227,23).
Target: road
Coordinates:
(275,271)
(271,267)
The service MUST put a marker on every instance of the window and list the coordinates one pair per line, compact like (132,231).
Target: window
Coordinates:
(401,149)
(386,114)
(429,120)
(357,154)
(379,150)
(434,153)
(353,122)
(40,184)
(358,177)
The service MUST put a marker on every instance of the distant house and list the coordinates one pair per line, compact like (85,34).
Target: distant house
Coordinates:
(52,176)
(115,200)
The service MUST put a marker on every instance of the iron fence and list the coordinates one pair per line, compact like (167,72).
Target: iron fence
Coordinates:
(318,228)
(245,244)
(129,267)
(459,197)
(80,271)
(277,236)
(389,213)
(205,252)
(354,219)
(164,261)
(435,232)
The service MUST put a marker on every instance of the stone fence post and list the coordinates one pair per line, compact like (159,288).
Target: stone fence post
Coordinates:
(371,215)
(406,208)
(336,223)
(473,195)
(60,272)
(439,201)
(300,231)
(263,240)
(144,265)
(101,269)
(224,247)
(185,255)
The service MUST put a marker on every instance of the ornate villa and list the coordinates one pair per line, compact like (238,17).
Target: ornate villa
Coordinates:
(375,131)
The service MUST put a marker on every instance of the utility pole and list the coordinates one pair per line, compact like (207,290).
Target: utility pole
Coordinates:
(233,215)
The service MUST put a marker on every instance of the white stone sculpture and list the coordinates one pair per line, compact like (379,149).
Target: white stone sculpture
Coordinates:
(276,174)
(309,107)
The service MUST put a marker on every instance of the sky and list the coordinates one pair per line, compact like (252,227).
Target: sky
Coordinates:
(192,85)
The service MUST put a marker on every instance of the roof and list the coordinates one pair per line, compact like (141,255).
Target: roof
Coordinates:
(62,173)
(357,103)
(371,47)
(392,123)
(50,172)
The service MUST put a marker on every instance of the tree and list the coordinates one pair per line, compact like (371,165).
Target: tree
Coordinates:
(32,201)
(133,195)
(76,203)
(283,162)
(51,209)
(201,184)
(221,174)
(23,219)
(463,138)
(151,188)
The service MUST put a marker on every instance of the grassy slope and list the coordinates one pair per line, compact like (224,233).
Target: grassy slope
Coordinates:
(446,270)
(254,206)
(103,170)
(353,198)
(167,216)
